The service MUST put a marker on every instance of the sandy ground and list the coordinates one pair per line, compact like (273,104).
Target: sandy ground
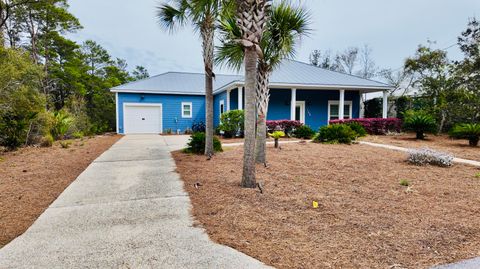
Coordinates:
(32,178)
(459,148)
(365,218)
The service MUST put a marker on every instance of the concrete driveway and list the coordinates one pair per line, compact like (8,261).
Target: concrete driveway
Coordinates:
(128,209)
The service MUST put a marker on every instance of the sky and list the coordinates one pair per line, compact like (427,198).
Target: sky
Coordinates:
(393,29)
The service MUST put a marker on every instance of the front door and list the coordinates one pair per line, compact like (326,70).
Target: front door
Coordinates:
(300,111)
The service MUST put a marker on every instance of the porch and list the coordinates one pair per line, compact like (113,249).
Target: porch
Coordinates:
(313,107)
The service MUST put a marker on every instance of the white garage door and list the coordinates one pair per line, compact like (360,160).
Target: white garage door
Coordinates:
(142,118)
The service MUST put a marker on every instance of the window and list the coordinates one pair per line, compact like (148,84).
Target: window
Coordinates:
(222,107)
(186,110)
(334,111)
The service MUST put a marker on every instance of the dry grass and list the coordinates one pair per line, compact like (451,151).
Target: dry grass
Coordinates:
(365,219)
(459,148)
(32,178)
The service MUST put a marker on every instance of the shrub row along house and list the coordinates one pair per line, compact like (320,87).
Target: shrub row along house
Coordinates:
(299,91)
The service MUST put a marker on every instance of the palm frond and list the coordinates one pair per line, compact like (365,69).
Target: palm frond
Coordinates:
(172,16)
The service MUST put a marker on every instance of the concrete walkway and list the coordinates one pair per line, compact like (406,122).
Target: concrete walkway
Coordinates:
(385,146)
(128,209)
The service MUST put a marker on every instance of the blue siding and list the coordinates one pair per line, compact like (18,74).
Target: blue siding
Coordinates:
(216,106)
(234,99)
(316,105)
(171,109)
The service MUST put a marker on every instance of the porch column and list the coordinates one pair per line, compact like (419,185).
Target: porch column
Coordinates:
(385,104)
(362,105)
(293,104)
(240,98)
(341,105)
(228,100)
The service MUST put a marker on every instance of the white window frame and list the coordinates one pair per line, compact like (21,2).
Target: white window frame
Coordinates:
(335,102)
(183,110)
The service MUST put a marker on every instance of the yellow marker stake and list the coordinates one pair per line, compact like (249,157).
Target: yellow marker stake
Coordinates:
(315,204)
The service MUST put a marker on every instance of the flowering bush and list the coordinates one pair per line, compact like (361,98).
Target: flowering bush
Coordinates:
(375,126)
(427,156)
(286,125)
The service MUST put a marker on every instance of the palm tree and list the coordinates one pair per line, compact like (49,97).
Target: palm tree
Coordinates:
(285,27)
(251,17)
(203,15)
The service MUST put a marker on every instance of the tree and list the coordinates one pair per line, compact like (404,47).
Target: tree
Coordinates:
(323,60)
(467,75)
(347,60)
(431,71)
(251,17)
(286,25)
(139,73)
(203,14)
(368,68)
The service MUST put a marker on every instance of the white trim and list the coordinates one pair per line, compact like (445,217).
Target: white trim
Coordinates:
(336,102)
(341,105)
(116,112)
(221,103)
(300,86)
(293,104)
(228,100)
(240,98)
(144,104)
(362,105)
(191,110)
(385,105)
(158,92)
(302,110)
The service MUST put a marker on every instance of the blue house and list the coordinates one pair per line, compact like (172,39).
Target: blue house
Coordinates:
(299,91)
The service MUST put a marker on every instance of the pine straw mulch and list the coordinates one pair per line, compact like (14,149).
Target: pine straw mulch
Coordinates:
(459,148)
(366,219)
(32,178)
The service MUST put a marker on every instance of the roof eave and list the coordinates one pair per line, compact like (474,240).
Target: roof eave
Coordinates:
(155,92)
(297,86)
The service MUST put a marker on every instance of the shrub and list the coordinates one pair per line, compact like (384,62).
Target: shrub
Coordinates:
(196,144)
(47,141)
(232,123)
(375,126)
(373,108)
(304,132)
(404,182)
(14,130)
(357,128)
(77,135)
(286,125)
(277,135)
(427,156)
(336,133)
(402,104)
(62,123)
(470,131)
(198,127)
(65,144)
(419,122)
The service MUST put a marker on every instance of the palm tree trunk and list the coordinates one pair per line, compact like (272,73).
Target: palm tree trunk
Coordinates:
(208,39)
(263,96)
(248,177)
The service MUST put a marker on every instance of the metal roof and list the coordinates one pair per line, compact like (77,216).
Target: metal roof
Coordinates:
(289,74)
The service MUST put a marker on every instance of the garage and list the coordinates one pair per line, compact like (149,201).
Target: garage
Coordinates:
(142,118)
